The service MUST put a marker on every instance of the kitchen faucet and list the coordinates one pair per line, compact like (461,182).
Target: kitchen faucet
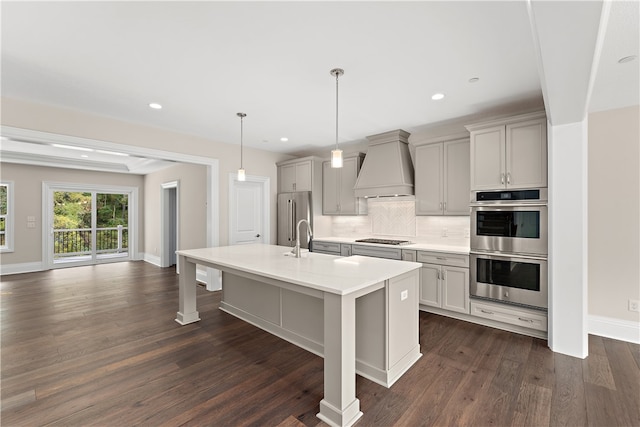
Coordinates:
(296,249)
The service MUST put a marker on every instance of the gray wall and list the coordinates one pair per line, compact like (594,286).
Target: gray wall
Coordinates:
(28,202)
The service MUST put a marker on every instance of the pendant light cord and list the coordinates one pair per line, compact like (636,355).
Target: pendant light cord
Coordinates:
(242,116)
(337,75)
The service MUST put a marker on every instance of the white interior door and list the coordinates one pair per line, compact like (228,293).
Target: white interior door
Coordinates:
(248,210)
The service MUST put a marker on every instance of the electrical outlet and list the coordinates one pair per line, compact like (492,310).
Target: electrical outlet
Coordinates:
(404,295)
(634,305)
(467,232)
(445,232)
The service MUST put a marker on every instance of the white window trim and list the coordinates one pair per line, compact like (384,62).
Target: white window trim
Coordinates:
(48,187)
(10,220)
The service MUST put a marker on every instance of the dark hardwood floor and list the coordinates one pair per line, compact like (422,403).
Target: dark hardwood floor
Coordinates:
(99,346)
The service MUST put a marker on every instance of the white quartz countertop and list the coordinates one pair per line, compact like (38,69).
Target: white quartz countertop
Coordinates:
(433,247)
(326,273)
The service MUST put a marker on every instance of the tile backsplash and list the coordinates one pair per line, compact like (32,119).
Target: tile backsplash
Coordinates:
(395,217)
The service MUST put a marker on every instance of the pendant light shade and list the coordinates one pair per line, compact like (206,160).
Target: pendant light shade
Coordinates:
(336,158)
(336,154)
(241,174)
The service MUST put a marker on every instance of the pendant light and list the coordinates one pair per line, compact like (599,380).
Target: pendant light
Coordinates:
(241,174)
(336,154)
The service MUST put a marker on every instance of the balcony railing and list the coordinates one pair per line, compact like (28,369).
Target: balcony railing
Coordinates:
(77,241)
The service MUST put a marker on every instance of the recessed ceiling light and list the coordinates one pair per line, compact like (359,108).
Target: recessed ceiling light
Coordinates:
(474,79)
(71,147)
(155,106)
(284,139)
(437,96)
(627,59)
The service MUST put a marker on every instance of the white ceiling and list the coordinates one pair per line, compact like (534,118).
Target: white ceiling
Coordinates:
(206,61)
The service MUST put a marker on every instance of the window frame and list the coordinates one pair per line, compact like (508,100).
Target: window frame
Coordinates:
(9,219)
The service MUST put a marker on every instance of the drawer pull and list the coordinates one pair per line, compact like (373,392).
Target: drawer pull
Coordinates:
(486,311)
(441,258)
(525,320)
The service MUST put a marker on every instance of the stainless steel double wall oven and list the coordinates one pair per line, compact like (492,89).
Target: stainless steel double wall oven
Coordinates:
(509,246)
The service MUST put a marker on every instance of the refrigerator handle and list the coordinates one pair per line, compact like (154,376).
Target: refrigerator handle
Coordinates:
(293,220)
(289,219)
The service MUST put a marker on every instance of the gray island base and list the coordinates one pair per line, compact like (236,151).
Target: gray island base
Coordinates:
(359,313)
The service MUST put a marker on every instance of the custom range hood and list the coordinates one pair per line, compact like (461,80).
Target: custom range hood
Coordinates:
(387,169)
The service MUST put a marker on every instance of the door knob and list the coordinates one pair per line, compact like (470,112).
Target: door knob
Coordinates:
(257,235)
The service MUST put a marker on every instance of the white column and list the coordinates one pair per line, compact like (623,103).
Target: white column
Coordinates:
(339,407)
(187,312)
(568,248)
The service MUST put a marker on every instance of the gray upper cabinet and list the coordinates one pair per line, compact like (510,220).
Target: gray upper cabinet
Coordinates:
(338,197)
(296,176)
(442,178)
(510,153)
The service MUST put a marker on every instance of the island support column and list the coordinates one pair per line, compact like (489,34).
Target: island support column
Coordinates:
(187,292)
(340,407)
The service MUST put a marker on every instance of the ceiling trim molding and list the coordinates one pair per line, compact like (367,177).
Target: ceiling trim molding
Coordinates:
(35,136)
(53,161)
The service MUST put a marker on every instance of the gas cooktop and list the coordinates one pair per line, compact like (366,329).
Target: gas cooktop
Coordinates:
(384,241)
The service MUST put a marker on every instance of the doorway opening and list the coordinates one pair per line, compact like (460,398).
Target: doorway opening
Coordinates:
(169,236)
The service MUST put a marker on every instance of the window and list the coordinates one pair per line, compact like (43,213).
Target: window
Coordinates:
(6,216)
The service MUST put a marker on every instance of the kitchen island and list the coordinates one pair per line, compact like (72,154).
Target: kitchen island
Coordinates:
(359,313)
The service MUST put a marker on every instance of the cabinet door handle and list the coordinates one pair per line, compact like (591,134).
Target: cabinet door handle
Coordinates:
(508,177)
(525,320)
(487,312)
(440,208)
(445,206)
(501,178)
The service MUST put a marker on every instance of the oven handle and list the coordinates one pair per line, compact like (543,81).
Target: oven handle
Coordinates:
(507,255)
(506,205)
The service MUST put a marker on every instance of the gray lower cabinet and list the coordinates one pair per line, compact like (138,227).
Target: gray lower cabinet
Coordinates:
(377,251)
(444,281)
(345,250)
(330,248)
(519,316)
(409,255)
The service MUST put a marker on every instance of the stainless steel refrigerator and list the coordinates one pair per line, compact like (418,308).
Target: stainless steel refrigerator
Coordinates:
(292,207)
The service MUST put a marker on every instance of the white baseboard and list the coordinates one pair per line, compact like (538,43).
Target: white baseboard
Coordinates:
(152,259)
(609,327)
(25,267)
